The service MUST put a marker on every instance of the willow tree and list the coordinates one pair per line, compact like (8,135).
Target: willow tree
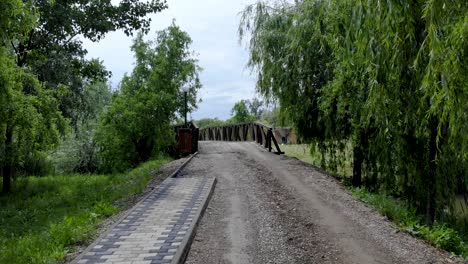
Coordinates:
(445,92)
(30,120)
(376,55)
(293,60)
(386,76)
(411,142)
(290,59)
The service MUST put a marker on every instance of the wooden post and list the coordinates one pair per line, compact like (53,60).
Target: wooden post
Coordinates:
(269,135)
(251,126)
(245,132)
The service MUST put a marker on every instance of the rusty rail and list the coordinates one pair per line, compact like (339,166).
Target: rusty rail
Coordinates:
(253,131)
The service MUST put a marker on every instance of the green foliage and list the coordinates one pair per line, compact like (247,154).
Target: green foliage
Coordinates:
(243,111)
(30,122)
(386,76)
(290,60)
(50,74)
(45,217)
(274,118)
(240,112)
(312,155)
(406,218)
(393,210)
(209,122)
(16,18)
(301,152)
(137,124)
(255,108)
(246,111)
(51,49)
(77,151)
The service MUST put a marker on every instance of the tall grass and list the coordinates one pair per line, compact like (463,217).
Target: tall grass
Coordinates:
(43,218)
(439,235)
(310,155)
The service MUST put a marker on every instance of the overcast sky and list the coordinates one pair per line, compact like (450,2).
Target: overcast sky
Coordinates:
(212,25)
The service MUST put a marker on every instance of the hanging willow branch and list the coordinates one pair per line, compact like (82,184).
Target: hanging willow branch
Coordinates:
(387,77)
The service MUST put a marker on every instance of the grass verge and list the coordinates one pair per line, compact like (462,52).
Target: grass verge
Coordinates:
(439,235)
(406,219)
(303,152)
(43,218)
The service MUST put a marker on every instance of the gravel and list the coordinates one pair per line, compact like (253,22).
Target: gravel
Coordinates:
(274,209)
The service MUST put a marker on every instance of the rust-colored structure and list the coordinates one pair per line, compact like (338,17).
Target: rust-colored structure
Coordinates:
(252,131)
(187,138)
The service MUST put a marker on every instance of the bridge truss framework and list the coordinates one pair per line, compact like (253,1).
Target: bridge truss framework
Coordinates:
(252,131)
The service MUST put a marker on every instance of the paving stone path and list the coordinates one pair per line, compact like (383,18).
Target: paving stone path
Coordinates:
(155,230)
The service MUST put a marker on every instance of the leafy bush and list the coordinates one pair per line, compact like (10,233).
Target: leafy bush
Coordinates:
(35,164)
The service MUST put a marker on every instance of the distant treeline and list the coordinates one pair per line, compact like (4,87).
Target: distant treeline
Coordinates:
(248,110)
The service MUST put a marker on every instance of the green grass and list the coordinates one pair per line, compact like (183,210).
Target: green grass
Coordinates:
(406,219)
(303,152)
(439,235)
(43,218)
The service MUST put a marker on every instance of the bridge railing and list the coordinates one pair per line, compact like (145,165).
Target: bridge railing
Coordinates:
(252,131)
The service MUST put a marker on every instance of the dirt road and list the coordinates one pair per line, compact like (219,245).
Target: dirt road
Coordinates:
(274,209)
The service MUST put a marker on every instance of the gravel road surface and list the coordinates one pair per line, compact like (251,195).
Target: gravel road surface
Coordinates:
(274,209)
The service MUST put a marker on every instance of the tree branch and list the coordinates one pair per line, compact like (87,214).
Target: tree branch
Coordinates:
(23,50)
(70,39)
(14,47)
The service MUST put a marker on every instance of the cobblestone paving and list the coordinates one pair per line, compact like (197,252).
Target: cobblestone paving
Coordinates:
(154,230)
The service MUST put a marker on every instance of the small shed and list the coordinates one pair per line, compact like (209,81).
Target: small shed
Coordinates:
(186,138)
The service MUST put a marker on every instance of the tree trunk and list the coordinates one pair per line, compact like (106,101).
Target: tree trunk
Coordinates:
(358,159)
(6,179)
(431,174)
(7,170)
(371,179)
(357,166)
